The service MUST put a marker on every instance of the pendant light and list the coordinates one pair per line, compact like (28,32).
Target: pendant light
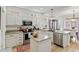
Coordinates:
(52,14)
(53,22)
(74,18)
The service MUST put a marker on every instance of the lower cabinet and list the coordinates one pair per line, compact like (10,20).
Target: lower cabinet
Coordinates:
(40,46)
(61,39)
(13,39)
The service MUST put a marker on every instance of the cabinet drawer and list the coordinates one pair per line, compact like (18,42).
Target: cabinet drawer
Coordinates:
(20,40)
(21,34)
(7,35)
(14,39)
(19,43)
(20,37)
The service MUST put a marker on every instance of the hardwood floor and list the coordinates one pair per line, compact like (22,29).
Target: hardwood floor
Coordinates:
(74,47)
(21,48)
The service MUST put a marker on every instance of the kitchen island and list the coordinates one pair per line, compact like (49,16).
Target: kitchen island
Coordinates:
(62,38)
(42,43)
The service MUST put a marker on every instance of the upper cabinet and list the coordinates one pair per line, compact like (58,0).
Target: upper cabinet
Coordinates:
(67,24)
(70,24)
(13,17)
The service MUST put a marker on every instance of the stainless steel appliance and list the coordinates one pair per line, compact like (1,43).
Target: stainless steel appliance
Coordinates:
(27,23)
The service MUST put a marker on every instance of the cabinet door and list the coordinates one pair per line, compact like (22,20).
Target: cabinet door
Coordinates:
(60,39)
(44,46)
(20,38)
(67,24)
(8,41)
(19,19)
(56,38)
(11,18)
(14,39)
(73,24)
(33,45)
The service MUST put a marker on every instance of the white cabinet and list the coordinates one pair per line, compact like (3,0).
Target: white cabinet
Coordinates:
(69,24)
(19,20)
(13,18)
(14,39)
(20,38)
(42,45)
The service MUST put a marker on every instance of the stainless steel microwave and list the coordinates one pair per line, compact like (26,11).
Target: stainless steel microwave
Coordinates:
(27,23)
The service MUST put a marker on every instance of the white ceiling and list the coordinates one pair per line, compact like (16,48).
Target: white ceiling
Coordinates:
(58,10)
(45,8)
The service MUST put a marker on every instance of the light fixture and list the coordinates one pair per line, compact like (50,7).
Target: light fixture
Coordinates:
(74,18)
(51,13)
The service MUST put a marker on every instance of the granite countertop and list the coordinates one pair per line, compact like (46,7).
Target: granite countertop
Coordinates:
(13,28)
(41,36)
(8,31)
(13,25)
(62,31)
(70,29)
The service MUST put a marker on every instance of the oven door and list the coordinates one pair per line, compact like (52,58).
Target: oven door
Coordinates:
(26,36)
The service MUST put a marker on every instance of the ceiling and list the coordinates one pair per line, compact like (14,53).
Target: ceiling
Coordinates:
(45,8)
(58,10)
